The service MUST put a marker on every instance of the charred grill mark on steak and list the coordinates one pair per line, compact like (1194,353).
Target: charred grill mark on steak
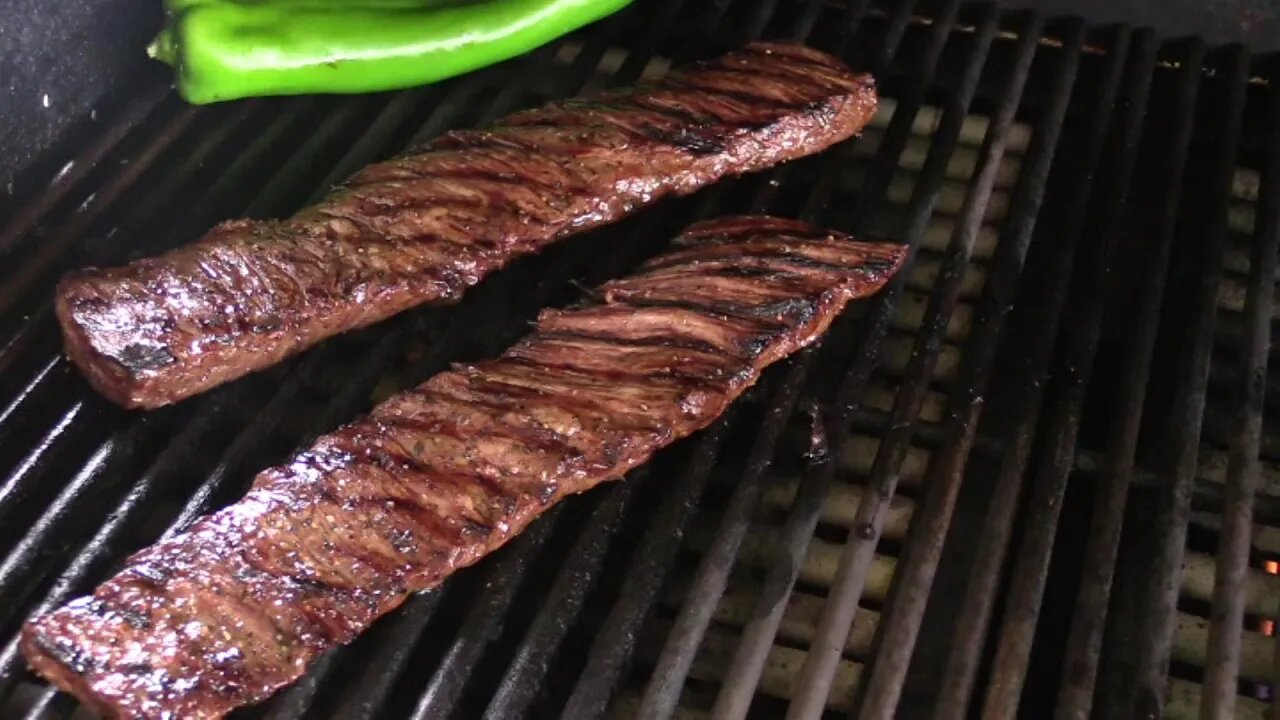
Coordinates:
(436,477)
(428,225)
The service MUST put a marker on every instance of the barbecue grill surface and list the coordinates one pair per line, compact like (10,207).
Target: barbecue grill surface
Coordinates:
(1069,383)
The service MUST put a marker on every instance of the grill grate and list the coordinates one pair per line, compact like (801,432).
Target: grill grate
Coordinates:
(1051,480)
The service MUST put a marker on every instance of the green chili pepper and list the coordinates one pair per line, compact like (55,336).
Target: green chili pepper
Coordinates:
(228,49)
(174,7)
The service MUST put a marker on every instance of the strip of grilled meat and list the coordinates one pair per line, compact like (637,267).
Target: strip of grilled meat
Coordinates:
(428,225)
(437,477)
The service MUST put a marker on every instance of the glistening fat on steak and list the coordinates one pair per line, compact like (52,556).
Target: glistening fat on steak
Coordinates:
(428,225)
(437,477)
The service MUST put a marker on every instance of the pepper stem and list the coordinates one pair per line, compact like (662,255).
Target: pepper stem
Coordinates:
(162,48)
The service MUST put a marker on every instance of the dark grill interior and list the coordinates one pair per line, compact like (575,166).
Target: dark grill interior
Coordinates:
(1069,384)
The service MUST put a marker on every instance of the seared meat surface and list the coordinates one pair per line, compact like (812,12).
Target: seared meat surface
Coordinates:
(426,226)
(437,477)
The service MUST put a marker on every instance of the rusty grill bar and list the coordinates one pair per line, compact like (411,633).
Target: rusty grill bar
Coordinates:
(1051,477)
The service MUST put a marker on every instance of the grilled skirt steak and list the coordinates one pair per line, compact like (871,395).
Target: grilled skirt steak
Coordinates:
(426,226)
(439,476)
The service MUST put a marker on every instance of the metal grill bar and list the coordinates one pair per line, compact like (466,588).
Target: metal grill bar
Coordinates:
(55,258)
(22,556)
(133,429)
(850,23)
(914,578)
(1223,665)
(482,623)
(897,28)
(759,203)
(54,248)
(1050,480)
(352,397)
(824,654)
(744,672)
(372,697)
(1160,613)
(590,697)
(74,171)
(295,700)
(19,410)
(684,639)
(895,138)
(686,635)
(586,60)
(71,461)
(530,662)
(975,612)
(276,192)
(91,561)
(758,16)
(42,706)
(802,27)
(387,658)
(373,141)
(1075,697)
(198,500)
(450,668)
(612,648)
(78,424)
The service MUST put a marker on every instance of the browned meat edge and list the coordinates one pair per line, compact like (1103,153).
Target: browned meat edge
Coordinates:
(437,477)
(426,226)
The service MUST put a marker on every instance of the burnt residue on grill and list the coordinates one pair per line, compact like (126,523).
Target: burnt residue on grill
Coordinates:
(428,225)
(437,477)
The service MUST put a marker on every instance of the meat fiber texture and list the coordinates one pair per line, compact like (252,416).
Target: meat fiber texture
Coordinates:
(439,476)
(426,226)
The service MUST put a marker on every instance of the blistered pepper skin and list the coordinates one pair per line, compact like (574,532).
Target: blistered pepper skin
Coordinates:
(225,50)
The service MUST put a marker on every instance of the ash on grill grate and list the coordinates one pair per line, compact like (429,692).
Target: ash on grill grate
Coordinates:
(1059,408)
